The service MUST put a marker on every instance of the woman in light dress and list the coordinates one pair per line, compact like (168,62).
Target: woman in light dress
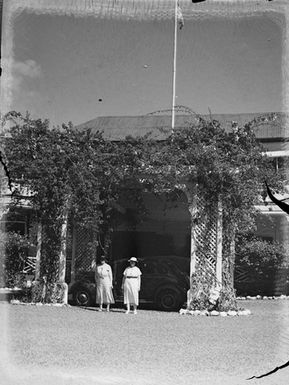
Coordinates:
(103,278)
(131,285)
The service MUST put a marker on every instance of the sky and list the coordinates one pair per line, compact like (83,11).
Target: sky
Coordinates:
(69,68)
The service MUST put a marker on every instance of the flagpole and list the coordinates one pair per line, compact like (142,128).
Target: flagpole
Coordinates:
(174,66)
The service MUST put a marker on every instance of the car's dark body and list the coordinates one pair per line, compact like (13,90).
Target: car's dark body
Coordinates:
(165,281)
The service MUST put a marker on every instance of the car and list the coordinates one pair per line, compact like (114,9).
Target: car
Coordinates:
(164,285)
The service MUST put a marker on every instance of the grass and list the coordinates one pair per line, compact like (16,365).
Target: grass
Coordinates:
(75,345)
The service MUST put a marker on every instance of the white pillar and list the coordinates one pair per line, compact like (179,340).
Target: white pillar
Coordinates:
(38,251)
(62,256)
(191,194)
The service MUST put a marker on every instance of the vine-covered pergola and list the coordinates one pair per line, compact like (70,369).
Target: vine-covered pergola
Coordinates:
(82,177)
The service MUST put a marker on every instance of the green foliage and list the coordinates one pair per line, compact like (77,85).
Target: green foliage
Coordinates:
(201,285)
(201,294)
(265,265)
(223,163)
(259,256)
(227,300)
(45,292)
(226,165)
(15,254)
(64,169)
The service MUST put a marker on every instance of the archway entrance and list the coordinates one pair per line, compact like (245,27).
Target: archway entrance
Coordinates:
(165,230)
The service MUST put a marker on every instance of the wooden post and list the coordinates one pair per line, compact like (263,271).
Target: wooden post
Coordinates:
(62,256)
(232,254)
(62,259)
(193,210)
(191,194)
(219,250)
(38,251)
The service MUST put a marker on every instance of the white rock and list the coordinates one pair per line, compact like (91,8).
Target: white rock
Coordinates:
(265,297)
(258,297)
(39,304)
(197,312)
(15,301)
(240,312)
(204,312)
(223,313)
(214,313)
(246,312)
(282,296)
(183,311)
(232,313)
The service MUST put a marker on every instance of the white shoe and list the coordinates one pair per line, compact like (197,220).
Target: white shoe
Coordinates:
(134,312)
(99,309)
(127,312)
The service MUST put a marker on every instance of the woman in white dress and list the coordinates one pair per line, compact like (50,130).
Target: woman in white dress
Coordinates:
(131,285)
(103,278)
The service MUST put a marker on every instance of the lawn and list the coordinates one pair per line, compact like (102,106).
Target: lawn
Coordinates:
(75,346)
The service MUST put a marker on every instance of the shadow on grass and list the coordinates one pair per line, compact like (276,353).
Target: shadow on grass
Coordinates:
(120,309)
(96,309)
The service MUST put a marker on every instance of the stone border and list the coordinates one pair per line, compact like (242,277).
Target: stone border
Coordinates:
(214,313)
(260,297)
(17,302)
(8,290)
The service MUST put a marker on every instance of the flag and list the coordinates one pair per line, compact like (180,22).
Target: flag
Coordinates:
(180,17)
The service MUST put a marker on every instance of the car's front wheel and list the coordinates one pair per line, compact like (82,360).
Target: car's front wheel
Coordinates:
(82,296)
(168,299)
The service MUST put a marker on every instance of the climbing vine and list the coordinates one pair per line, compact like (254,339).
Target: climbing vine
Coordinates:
(80,175)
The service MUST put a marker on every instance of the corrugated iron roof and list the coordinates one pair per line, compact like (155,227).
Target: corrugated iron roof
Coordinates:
(159,126)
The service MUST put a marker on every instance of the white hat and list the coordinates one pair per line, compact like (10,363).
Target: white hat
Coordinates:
(132,259)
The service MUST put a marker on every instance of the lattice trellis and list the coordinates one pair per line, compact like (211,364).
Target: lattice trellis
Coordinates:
(84,255)
(206,240)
